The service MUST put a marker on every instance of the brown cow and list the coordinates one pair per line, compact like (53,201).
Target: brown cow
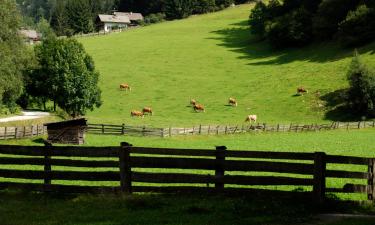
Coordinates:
(193,102)
(137,113)
(199,107)
(125,87)
(147,110)
(251,118)
(233,102)
(302,90)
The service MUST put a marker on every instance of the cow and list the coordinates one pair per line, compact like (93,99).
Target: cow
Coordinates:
(251,118)
(137,113)
(199,107)
(147,110)
(125,87)
(302,90)
(233,102)
(193,102)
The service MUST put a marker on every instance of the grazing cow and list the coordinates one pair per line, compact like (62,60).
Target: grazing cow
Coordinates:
(251,118)
(302,90)
(137,113)
(199,107)
(125,87)
(233,102)
(147,110)
(193,102)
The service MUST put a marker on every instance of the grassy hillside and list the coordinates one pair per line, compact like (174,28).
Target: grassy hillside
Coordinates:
(211,58)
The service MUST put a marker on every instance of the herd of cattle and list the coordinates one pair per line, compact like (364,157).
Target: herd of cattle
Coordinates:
(197,106)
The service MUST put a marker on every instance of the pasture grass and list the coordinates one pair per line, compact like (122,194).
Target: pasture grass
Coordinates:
(20,208)
(210,58)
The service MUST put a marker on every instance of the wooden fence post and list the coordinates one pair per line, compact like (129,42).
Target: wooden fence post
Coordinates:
(123,129)
(125,168)
(319,177)
(200,128)
(102,128)
(47,164)
(15,132)
(209,127)
(5,133)
(220,167)
(24,131)
(170,131)
(359,125)
(264,127)
(278,127)
(373,123)
(371,180)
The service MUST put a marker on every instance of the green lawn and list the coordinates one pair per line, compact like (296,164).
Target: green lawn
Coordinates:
(211,58)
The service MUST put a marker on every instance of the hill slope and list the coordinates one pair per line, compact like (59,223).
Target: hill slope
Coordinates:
(211,58)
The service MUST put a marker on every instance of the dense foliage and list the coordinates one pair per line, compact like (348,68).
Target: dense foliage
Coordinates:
(68,17)
(66,75)
(288,23)
(361,95)
(14,56)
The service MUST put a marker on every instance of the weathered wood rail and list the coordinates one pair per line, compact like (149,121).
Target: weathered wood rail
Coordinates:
(21,132)
(215,171)
(222,129)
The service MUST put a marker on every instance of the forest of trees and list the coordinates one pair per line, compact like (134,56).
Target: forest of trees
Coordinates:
(68,17)
(293,23)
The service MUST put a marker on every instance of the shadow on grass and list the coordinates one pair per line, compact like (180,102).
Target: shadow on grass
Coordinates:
(337,107)
(239,39)
(39,141)
(162,209)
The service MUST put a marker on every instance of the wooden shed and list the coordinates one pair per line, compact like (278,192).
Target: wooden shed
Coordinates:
(67,132)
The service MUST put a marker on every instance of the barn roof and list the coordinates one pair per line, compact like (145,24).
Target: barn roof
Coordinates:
(132,16)
(114,18)
(67,123)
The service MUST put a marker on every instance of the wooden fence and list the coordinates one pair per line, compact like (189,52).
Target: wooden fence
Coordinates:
(222,129)
(21,132)
(130,169)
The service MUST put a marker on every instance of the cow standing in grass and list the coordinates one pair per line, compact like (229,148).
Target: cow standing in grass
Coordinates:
(302,90)
(199,108)
(136,113)
(125,87)
(233,102)
(147,110)
(251,118)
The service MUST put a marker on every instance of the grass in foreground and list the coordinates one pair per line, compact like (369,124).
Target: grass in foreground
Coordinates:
(17,208)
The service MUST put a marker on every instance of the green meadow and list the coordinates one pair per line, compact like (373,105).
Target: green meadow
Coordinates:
(210,58)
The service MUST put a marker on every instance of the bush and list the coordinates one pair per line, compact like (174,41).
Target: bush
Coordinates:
(293,29)
(361,94)
(154,18)
(258,18)
(204,6)
(358,28)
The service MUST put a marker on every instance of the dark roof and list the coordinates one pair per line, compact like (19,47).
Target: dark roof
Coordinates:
(67,123)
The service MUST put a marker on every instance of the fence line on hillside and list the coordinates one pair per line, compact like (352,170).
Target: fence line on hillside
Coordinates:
(211,171)
(22,132)
(222,129)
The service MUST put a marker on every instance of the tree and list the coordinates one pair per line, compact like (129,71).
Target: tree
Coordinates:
(178,9)
(67,76)
(79,16)
(361,94)
(14,56)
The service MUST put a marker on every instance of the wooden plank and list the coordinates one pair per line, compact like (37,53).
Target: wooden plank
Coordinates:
(270,155)
(177,163)
(165,151)
(347,160)
(61,175)
(264,166)
(58,188)
(346,174)
(59,162)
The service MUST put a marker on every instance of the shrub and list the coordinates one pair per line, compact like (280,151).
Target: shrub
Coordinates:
(204,6)
(154,18)
(361,94)
(358,28)
(258,18)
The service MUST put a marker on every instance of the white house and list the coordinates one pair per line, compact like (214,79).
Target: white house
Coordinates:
(112,22)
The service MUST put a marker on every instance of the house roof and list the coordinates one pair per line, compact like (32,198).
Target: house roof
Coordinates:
(114,18)
(31,34)
(132,16)
(67,123)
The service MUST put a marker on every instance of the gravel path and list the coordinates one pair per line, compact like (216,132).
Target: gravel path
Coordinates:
(26,115)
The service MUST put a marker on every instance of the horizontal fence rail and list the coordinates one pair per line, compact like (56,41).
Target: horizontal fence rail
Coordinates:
(127,169)
(222,129)
(22,132)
